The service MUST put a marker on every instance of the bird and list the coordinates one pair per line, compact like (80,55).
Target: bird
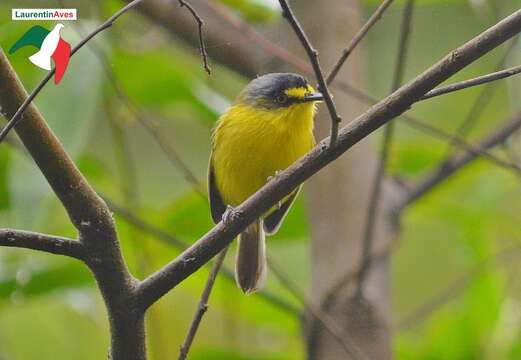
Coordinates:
(266,129)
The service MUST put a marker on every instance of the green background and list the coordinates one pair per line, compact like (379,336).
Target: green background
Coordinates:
(446,254)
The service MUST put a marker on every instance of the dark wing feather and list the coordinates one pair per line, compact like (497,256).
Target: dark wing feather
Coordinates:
(273,221)
(217,206)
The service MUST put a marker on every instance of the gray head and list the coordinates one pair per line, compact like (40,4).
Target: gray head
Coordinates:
(278,90)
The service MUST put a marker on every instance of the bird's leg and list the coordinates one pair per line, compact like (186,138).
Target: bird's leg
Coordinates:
(277,172)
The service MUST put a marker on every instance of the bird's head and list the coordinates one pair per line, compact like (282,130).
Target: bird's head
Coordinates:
(279,91)
(59,26)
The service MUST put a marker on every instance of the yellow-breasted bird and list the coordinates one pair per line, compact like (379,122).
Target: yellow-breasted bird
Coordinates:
(269,126)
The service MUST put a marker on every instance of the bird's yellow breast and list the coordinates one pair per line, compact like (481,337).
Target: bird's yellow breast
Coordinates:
(252,144)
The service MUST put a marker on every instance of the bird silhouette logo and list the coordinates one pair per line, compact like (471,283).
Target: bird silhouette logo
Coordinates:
(50,45)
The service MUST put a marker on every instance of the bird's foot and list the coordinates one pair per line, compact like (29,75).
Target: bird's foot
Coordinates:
(273,177)
(228,214)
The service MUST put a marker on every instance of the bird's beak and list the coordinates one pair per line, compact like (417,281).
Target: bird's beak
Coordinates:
(316,96)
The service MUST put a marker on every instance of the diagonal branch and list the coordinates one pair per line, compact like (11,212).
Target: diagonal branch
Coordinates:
(315,63)
(159,283)
(458,161)
(17,116)
(42,242)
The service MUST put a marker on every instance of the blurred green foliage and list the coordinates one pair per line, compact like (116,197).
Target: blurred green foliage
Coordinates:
(49,306)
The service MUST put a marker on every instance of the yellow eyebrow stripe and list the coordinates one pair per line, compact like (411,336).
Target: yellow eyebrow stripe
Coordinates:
(299,92)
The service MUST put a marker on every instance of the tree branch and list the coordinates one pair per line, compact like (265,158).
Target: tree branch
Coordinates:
(498,75)
(315,63)
(159,283)
(458,161)
(377,15)
(203,305)
(42,242)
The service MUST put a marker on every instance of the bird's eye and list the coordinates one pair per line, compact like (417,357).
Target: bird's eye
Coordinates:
(282,98)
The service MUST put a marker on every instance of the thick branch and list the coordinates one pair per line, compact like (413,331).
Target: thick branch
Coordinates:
(395,104)
(42,242)
(460,160)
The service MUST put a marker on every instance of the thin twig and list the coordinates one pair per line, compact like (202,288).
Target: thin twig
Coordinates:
(503,74)
(377,15)
(376,192)
(42,242)
(203,305)
(324,318)
(200,24)
(312,53)
(458,161)
(18,115)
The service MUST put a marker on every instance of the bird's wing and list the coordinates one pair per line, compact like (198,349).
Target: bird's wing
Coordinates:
(34,36)
(273,221)
(217,206)
(61,58)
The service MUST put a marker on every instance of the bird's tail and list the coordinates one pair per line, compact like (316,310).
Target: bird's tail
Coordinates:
(41,60)
(250,262)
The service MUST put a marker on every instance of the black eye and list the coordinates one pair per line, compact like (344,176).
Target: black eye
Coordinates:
(281,98)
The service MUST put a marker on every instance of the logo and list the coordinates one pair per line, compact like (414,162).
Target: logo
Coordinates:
(44,14)
(50,45)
